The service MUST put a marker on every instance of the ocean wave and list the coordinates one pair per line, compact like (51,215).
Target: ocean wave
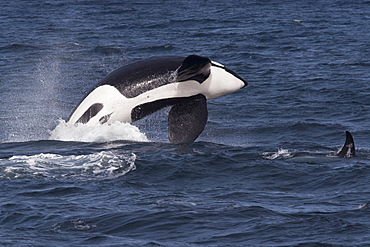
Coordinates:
(105,164)
(101,133)
(17,47)
(108,50)
(280,153)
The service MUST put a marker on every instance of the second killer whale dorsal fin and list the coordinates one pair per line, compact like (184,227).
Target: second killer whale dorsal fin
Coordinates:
(194,68)
(348,149)
(187,119)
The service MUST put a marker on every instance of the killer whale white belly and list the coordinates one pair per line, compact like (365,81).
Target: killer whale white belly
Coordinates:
(120,107)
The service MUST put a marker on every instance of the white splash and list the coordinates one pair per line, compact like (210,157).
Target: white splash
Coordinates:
(105,164)
(363,205)
(281,153)
(100,133)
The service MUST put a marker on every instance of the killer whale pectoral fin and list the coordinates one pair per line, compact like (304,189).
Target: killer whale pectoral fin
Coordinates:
(194,68)
(143,110)
(187,119)
(348,149)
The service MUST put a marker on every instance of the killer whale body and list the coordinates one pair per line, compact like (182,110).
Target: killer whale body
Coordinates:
(137,90)
(348,149)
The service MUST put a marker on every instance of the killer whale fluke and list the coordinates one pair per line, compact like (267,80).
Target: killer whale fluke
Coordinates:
(187,119)
(348,149)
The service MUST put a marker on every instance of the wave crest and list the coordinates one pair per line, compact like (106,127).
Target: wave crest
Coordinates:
(101,133)
(105,164)
(281,153)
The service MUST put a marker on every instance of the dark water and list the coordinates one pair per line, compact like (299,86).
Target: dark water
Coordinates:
(259,174)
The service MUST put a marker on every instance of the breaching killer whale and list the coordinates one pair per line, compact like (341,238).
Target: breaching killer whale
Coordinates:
(139,89)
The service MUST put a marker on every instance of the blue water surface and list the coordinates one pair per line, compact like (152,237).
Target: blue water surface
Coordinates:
(258,175)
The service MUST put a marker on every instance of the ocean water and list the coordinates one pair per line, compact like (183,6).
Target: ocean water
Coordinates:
(259,175)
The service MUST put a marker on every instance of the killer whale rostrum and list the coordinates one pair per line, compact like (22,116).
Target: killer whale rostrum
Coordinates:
(139,89)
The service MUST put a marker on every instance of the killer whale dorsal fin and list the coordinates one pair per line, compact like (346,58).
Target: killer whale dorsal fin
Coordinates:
(187,119)
(348,149)
(194,68)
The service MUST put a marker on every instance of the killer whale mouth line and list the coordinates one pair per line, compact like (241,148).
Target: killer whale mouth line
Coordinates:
(217,65)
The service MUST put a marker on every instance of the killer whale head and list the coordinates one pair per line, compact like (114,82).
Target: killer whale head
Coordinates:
(141,88)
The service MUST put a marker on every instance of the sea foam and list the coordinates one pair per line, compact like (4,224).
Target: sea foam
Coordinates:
(101,133)
(105,164)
